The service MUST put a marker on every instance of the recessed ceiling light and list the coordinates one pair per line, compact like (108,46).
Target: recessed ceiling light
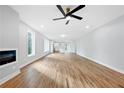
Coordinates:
(63,35)
(87,26)
(42,26)
(68,18)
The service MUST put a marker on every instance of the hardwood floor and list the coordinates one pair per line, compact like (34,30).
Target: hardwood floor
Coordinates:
(65,70)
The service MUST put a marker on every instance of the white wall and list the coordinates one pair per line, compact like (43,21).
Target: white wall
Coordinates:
(39,45)
(0,27)
(105,45)
(9,37)
(13,35)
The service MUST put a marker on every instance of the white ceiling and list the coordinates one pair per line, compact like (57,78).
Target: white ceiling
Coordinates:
(93,16)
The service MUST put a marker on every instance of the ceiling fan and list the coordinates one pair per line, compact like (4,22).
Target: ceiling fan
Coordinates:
(69,13)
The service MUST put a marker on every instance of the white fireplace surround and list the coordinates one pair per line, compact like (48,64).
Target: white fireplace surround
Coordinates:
(13,65)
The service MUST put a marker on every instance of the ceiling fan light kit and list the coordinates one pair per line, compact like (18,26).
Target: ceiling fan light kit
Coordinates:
(69,13)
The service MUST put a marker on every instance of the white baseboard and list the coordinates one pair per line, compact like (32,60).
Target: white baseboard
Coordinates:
(10,76)
(33,60)
(106,65)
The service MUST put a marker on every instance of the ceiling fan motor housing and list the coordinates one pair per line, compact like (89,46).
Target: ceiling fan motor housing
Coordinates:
(67,10)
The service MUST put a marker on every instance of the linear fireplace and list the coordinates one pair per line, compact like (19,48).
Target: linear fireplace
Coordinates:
(7,56)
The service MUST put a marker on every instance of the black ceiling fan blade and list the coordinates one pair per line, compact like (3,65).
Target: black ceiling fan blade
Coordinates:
(59,18)
(67,22)
(77,17)
(60,8)
(76,9)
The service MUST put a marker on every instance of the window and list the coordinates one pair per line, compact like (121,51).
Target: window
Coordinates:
(31,43)
(46,45)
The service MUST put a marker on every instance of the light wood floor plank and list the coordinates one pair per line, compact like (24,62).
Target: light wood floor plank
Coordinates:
(63,71)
